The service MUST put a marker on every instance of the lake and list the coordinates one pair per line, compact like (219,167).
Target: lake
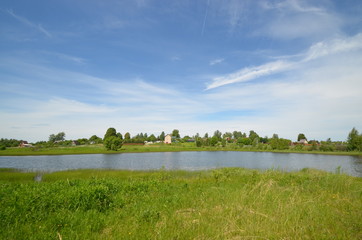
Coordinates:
(191,161)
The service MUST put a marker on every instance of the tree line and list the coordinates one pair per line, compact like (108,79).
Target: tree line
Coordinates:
(114,140)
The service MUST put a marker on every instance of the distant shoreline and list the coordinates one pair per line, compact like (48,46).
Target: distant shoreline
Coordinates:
(89,149)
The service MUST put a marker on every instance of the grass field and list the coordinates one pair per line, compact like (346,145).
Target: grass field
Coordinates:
(219,204)
(99,149)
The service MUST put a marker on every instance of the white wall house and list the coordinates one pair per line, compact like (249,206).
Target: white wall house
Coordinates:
(168,139)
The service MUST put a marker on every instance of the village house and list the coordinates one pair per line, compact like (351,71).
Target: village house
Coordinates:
(168,139)
(25,144)
(303,141)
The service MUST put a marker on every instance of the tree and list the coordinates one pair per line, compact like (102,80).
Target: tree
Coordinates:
(206,135)
(95,139)
(354,140)
(162,136)
(253,135)
(214,140)
(112,143)
(176,133)
(301,136)
(127,136)
(198,142)
(217,134)
(152,138)
(57,137)
(275,136)
(120,135)
(279,143)
(111,132)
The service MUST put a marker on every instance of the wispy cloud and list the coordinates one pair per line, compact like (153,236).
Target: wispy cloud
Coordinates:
(334,46)
(25,21)
(250,73)
(291,19)
(216,61)
(318,50)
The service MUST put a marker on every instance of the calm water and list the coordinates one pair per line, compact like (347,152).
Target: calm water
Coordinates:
(186,161)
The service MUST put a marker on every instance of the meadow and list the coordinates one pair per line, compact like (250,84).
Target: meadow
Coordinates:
(229,203)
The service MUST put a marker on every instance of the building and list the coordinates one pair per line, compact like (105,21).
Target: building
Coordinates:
(25,144)
(168,139)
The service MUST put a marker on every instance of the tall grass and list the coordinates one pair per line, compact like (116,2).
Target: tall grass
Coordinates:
(219,204)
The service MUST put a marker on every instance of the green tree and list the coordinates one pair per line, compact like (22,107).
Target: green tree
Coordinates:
(120,135)
(214,140)
(95,139)
(127,136)
(111,132)
(198,142)
(112,143)
(162,136)
(279,143)
(354,140)
(152,138)
(57,137)
(275,136)
(252,136)
(301,136)
(176,133)
(218,134)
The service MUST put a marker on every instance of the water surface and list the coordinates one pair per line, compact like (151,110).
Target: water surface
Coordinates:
(186,161)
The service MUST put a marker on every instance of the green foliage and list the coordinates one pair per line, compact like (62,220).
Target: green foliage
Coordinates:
(2,147)
(198,142)
(95,139)
(112,143)
(176,133)
(252,136)
(244,141)
(119,135)
(127,136)
(214,140)
(217,134)
(9,142)
(301,136)
(162,136)
(57,137)
(354,140)
(111,132)
(279,143)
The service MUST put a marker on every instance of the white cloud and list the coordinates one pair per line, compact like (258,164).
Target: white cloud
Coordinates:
(247,74)
(319,50)
(292,19)
(25,21)
(334,46)
(216,61)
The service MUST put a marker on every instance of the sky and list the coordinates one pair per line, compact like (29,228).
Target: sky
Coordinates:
(277,66)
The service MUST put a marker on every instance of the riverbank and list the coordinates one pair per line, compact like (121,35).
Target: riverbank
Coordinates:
(99,149)
(218,204)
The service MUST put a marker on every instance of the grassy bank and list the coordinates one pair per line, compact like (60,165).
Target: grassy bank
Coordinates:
(218,204)
(99,149)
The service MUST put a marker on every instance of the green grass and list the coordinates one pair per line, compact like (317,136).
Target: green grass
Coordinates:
(219,204)
(99,149)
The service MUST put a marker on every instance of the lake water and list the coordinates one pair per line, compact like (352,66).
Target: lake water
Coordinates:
(186,161)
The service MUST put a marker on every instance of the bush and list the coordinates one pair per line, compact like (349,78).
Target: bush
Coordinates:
(2,147)
(113,143)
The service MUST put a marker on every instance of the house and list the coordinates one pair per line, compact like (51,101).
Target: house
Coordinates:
(75,143)
(303,141)
(168,139)
(25,144)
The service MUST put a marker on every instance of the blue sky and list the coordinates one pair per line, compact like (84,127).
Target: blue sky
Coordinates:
(284,67)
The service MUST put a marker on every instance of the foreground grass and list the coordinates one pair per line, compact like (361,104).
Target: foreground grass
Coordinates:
(99,149)
(219,204)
